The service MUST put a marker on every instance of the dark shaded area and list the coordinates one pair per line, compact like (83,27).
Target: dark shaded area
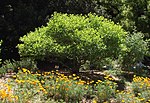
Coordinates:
(16,19)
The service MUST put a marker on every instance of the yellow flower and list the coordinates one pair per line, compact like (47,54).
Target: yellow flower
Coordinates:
(9,80)
(38,91)
(70,76)
(94,101)
(34,83)
(46,92)
(62,75)
(110,78)
(86,87)
(41,88)
(99,81)
(18,81)
(57,86)
(74,78)
(28,71)
(3,94)
(142,99)
(14,76)
(24,70)
(39,75)
(16,97)
(74,74)
(50,77)
(87,83)
(106,77)
(52,87)
(8,89)
(91,81)
(42,81)
(123,101)
(117,90)
(78,77)
(22,81)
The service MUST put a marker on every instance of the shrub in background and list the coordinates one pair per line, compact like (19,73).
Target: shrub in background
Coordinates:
(78,39)
(12,66)
(135,50)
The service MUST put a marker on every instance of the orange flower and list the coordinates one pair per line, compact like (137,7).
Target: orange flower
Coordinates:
(66,89)
(70,84)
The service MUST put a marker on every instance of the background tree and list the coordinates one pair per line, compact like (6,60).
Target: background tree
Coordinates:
(130,14)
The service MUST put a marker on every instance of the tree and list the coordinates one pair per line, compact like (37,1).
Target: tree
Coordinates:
(130,14)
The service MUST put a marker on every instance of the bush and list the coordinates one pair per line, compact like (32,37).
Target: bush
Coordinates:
(105,90)
(12,66)
(135,50)
(126,97)
(141,88)
(77,39)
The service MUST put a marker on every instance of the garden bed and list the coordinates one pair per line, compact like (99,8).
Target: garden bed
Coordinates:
(55,87)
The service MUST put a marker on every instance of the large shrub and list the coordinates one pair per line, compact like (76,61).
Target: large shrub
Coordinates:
(75,38)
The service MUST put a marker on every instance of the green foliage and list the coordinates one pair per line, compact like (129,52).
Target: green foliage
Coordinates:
(75,37)
(141,88)
(136,14)
(27,16)
(55,87)
(50,85)
(105,90)
(134,50)
(126,97)
(130,14)
(11,66)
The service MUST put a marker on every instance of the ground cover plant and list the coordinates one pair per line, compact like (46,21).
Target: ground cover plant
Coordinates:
(54,86)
